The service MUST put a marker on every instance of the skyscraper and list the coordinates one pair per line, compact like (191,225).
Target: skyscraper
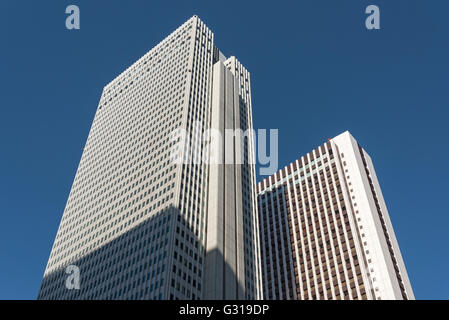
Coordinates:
(137,223)
(325,229)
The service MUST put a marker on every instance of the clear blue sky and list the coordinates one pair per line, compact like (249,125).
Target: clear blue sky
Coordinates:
(316,72)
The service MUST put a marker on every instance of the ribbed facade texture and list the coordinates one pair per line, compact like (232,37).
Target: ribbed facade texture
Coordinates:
(232,209)
(325,229)
(140,225)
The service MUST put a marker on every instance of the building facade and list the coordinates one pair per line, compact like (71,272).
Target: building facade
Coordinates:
(325,229)
(141,224)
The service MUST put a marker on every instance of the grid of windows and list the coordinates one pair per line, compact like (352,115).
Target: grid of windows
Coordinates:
(313,250)
(135,221)
(125,178)
(187,269)
(314,230)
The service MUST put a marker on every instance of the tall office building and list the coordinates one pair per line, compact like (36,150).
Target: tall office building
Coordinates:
(325,229)
(139,223)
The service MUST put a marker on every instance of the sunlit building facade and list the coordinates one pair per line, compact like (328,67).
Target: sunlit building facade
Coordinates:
(137,223)
(325,229)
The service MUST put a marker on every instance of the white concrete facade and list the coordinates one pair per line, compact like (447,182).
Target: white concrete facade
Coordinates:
(326,231)
(232,224)
(374,224)
(137,224)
